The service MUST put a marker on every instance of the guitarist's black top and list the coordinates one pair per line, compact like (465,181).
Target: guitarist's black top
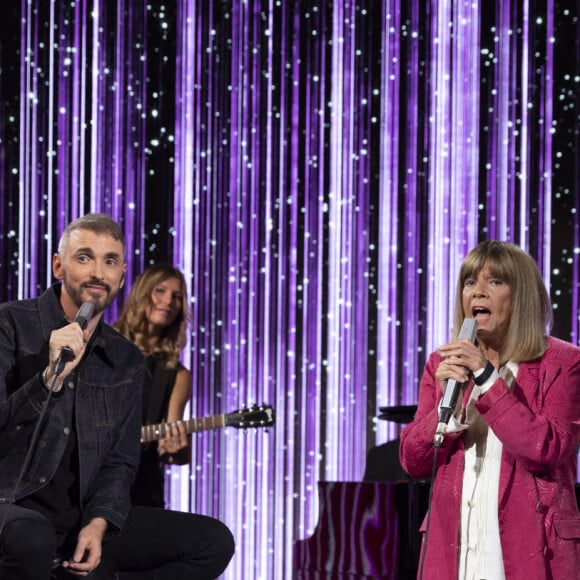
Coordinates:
(148,489)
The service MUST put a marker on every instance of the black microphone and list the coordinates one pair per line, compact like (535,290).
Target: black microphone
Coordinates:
(468,330)
(82,318)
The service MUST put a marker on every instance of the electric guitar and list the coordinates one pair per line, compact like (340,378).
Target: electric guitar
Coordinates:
(254,416)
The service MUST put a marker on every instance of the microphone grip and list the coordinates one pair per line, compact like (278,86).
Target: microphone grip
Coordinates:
(445,415)
(66,355)
(449,400)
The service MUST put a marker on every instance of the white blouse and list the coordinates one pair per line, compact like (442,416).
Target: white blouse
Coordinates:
(480,548)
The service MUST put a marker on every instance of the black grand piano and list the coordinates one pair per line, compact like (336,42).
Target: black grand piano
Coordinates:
(367,529)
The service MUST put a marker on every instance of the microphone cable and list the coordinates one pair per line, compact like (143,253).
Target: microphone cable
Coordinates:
(428,522)
(31,447)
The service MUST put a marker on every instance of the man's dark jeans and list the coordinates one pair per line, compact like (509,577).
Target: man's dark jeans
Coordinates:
(154,544)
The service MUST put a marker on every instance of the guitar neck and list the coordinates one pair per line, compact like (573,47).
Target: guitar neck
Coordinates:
(160,430)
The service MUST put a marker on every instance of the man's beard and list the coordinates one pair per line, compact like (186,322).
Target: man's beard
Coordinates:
(100,302)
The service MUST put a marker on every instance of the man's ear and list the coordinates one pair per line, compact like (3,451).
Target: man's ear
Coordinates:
(57,266)
(122,281)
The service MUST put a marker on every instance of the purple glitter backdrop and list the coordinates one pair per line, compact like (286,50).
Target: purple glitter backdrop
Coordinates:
(318,170)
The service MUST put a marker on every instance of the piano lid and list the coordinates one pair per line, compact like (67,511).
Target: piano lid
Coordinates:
(398,413)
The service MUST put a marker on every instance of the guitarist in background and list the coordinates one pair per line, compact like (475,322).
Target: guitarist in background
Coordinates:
(155,318)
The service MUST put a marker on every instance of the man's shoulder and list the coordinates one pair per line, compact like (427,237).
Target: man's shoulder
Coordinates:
(16,311)
(28,304)
(47,300)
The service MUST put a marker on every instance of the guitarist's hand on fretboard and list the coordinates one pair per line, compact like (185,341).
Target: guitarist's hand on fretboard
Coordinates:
(174,447)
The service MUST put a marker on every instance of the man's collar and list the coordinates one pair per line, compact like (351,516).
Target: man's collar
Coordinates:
(52,316)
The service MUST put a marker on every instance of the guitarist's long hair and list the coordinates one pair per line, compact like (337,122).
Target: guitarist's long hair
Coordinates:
(132,323)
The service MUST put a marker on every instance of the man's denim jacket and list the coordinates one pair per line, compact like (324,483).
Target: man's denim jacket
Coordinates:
(106,390)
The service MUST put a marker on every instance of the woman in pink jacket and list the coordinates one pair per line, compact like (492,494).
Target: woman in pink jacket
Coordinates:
(503,502)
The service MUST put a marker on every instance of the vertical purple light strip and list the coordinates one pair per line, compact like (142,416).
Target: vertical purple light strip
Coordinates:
(464,135)
(505,108)
(72,70)
(122,91)
(266,500)
(136,114)
(58,114)
(340,153)
(472,68)
(491,153)
(355,333)
(85,74)
(311,285)
(439,288)
(51,194)
(387,351)
(230,314)
(287,264)
(64,204)
(286,399)
(357,338)
(23,181)
(317,292)
(347,152)
(186,212)
(248,282)
(175,496)
(499,154)
(79,73)
(508,145)
(196,182)
(246,226)
(189,243)
(269,503)
(96,135)
(523,240)
(546,151)
(406,386)
(27,145)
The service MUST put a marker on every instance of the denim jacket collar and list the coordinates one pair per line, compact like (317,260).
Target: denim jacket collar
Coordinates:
(52,316)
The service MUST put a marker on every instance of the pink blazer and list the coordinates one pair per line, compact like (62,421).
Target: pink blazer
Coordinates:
(538,423)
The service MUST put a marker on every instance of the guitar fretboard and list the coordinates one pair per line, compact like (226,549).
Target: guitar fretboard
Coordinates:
(160,430)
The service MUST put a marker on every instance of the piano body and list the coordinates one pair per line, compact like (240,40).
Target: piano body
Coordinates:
(367,529)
